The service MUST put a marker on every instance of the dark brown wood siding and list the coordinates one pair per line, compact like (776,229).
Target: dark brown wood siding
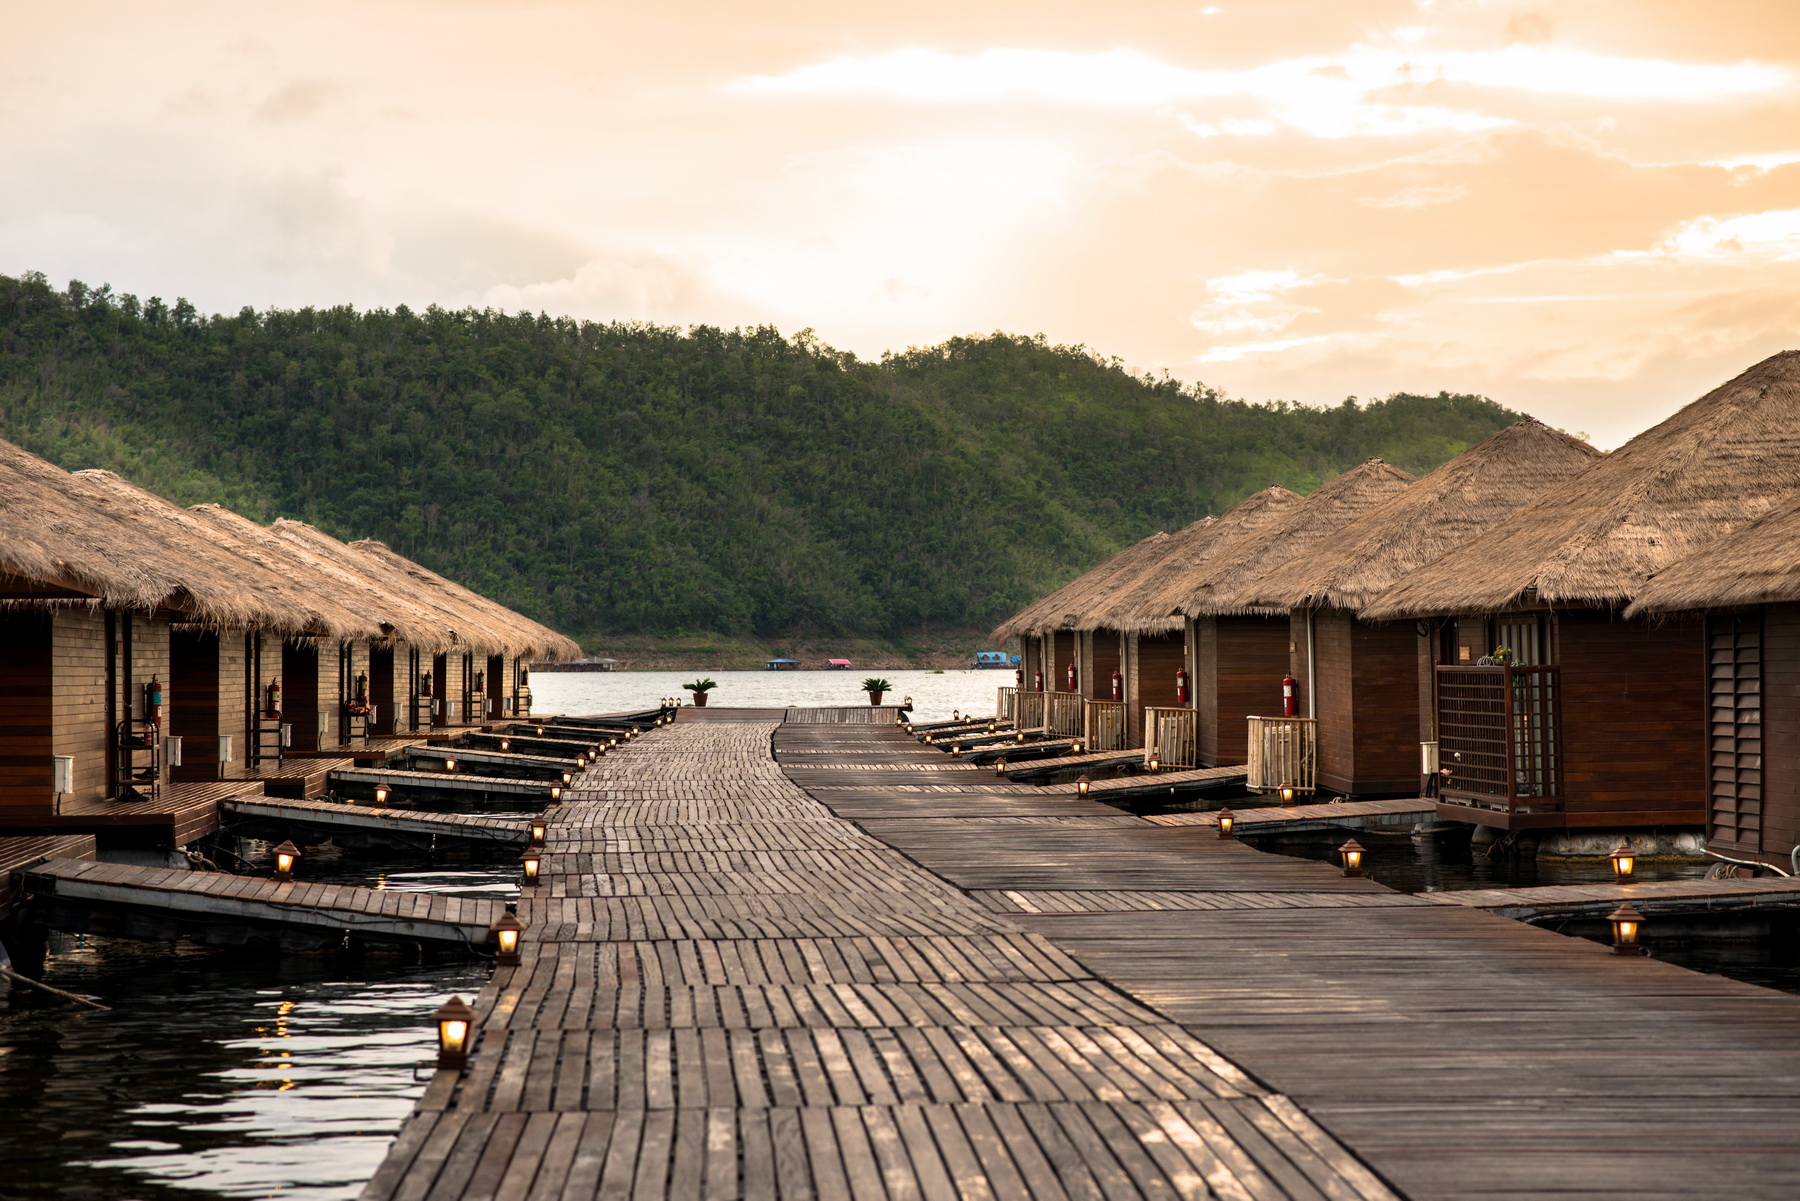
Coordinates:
(300,693)
(1205,637)
(1158,658)
(79,670)
(1106,661)
(1634,721)
(1734,693)
(1781,730)
(1250,659)
(381,689)
(1062,654)
(26,711)
(196,702)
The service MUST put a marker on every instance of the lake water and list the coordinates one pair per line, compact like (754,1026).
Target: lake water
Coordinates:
(935,694)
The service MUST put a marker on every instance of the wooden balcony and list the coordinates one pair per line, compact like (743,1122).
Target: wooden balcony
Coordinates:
(1063,713)
(1171,737)
(1103,727)
(1499,738)
(1283,753)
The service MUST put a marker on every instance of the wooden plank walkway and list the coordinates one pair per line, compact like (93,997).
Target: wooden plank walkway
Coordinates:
(1170,781)
(364,779)
(1460,1055)
(182,813)
(1292,819)
(1038,767)
(540,765)
(730,992)
(1650,896)
(331,817)
(329,909)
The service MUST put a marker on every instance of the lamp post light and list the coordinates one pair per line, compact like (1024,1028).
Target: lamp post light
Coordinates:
(1627,925)
(1352,852)
(454,1020)
(1624,863)
(531,861)
(1226,821)
(285,856)
(506,930)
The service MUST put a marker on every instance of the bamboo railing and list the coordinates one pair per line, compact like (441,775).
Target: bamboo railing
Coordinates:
(1171,737)
(1063,713)
(1284,753)
(1029,709)
(1103,727)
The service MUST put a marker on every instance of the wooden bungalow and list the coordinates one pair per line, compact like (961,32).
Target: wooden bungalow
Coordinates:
(1745,589)
(1552,708)
(1368,683)
(1241,651)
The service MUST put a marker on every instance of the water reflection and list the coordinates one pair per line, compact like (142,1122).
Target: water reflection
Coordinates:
(218,1072)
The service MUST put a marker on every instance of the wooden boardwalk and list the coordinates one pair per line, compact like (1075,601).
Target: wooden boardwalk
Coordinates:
(1292,819)
(360,821)
(1650,896)
(729,991)
(1459,1055)
(364,779)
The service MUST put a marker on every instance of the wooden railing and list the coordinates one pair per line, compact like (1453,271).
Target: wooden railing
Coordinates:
(1063,713)
(1003,703)
(1284,753)
(1029,709)
(1171,737)
(1103,726)
(1499,736)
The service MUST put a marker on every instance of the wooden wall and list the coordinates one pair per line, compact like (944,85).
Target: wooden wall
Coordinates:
(300,692)
(26,711)
(1781,732)
(1104,659)
(1062,654)
(1367,702)
(197,702)
(1155,659)
(1250,656)
(1203,643)
(79,706)
(386,692)
(1634,721)
(496,687)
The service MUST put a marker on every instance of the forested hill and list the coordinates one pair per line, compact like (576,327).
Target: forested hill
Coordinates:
(629,477)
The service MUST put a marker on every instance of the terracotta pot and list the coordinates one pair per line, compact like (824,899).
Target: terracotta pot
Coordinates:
(875,697)
(700,700)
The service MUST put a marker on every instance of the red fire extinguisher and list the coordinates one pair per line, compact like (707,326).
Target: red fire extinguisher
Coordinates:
(1290,704)
(153,701)
(272,699)
(1072,679)
(1037,680)
(1019,677)
(1118,683)
(1181,682)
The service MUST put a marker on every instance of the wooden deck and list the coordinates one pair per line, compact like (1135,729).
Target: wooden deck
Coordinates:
(181,813)
(330,817)
(1457,1054)
(1650,897)
(364,779)
(296,779)
(1096,759)
(729,991)
(327,910)
(1404,812)
(1175,780)
(542,765)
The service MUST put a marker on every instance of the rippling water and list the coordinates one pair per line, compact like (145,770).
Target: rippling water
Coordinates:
(935,694)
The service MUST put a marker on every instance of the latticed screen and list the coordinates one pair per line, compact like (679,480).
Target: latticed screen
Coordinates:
(1497,731)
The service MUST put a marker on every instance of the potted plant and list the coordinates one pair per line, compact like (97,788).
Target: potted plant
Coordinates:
(875,686)
(700,688)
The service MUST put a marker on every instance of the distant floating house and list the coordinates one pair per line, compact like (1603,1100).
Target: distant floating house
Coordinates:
(784,665)
(837,665)
(995,660)
(590,663)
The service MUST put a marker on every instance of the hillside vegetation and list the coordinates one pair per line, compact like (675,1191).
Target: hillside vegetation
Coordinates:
(635,478)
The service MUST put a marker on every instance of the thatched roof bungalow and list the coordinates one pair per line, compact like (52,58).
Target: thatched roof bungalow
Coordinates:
(1553,709)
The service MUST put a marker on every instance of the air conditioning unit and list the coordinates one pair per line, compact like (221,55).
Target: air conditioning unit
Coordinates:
(172,750)
(226,752)
(1428,758)
(287,734)
(62,773)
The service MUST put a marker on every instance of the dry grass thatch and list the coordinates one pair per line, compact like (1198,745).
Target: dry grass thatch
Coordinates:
(1151,605)
(345,582)
(1064,608)
(218,583)
(1446,509)
(1757,564)
(57,535)
(1592,541)
(521,636)
(1222,583)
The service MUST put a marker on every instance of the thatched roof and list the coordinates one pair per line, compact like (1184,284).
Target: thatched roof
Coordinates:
(1446,509)
(1593,540)
(392,612)
(1220,584)
(55,534)
(1150,606)
(218,583)
(1065,608)
(1757,564)
(520,635)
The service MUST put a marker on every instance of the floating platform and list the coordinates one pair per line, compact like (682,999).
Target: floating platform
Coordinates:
(411,783)
(1403,812)
(1102,759)
(150,902)
(1169,781)
(362,825)
(551,748)
(1650,897)
(541,767)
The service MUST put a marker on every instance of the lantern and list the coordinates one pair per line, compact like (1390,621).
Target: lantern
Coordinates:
(540,730)
(956,750)
(1627,924)
(1154,762)
(1287,793)
(1000,766)
(454,1020)
(1226,821)
(506,744)
(1624,863)
(1075,747)
(539,829)
(956,715)
(1352,852)
(1082,785)
(991,727)
(567,778)
(285,856)
(381,793)
(556,792)
(506,930)
(449,765)
(530,862)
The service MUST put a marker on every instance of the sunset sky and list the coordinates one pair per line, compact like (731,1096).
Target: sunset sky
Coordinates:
(1588,209)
